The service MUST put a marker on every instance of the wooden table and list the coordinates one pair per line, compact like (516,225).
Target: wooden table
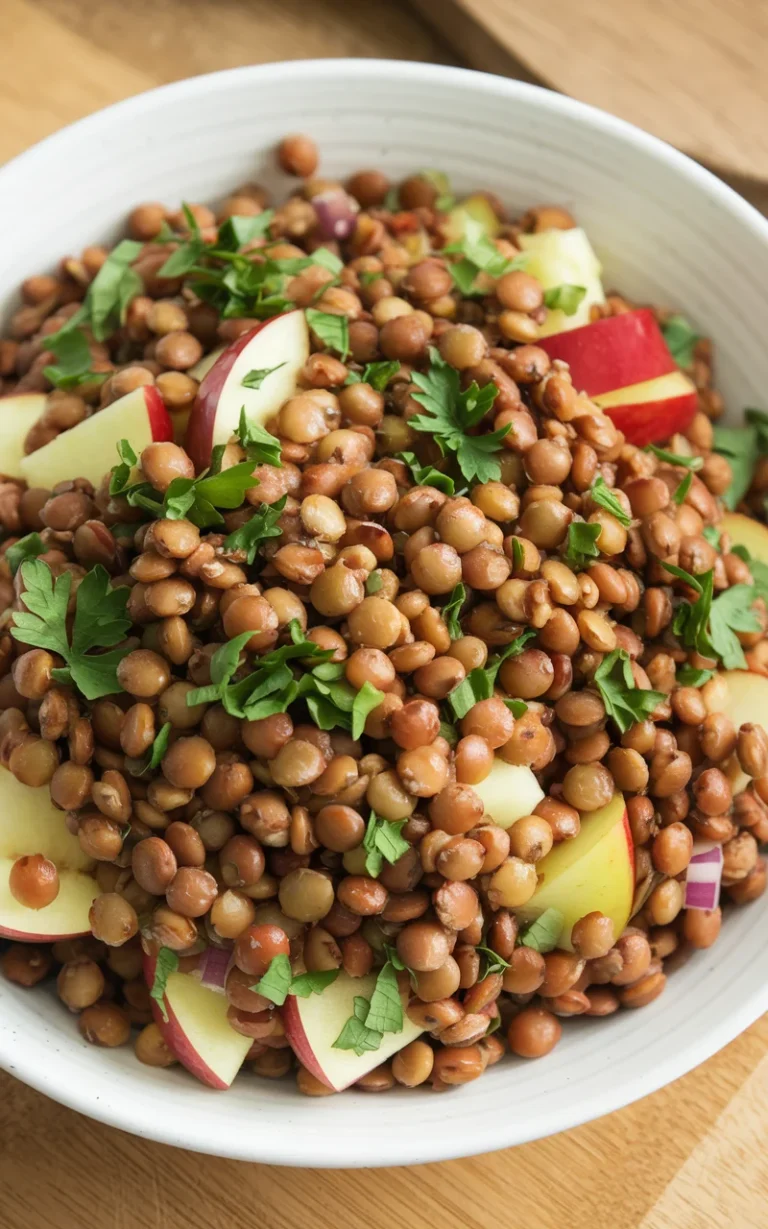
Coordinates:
(690,1157)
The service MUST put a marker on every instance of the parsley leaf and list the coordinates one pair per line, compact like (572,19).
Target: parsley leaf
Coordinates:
(711,535)
(518,555)
(681,339)
(374,582)
(480,682)
(122,472)
(449,733)
(682,490)
(445,199)
(741,446)
(73,353)
(108,295)
(623,701)
(709,626)
(427,475)
(565,298)
(254,379)
(451,413)
(675,458)
(689,676)
(385,1013)
(355,1034)
(383,840)
(197,499)
(452,610)
(259,445)
(758,569)
(100,622)
(479,254)
(276,982)
(492,962)
(28,547)
(167,962)
(581,545)
(332,331)
(153,756)
(377,374)
(261,526)
(543,933)
(367,699)
(603,495)
(312,983)
(241,229)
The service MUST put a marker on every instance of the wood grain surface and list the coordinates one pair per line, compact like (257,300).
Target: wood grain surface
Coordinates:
(692,71)
(689,1157)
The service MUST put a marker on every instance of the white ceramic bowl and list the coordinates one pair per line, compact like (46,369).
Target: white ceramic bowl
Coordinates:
(667,231)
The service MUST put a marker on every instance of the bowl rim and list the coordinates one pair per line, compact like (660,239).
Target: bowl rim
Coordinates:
(264,1147)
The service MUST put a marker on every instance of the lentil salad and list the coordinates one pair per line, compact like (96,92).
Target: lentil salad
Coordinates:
(443,555)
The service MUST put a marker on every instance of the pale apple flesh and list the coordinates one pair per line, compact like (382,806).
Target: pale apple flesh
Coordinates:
(614,353)
(564,257)
(18,413)
(30,824)
(197,1030)
(509,792)
(652,410)
(477,208)
(747,701)
(595,871)
(313,1024)
(743,531)
(281,342)
(89,450)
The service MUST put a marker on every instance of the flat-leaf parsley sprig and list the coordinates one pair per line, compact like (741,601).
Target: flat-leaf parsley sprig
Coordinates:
(451,414)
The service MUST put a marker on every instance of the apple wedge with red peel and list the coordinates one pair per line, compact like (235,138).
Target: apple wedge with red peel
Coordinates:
(612,353)
(509,792)
(593,871)
(30,824)
(653,410)
(313,1024)
(743,531)
(89,450)
(197,1030)
(281,343)
(18,413)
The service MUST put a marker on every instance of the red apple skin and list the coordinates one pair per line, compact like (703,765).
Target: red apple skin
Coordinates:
(650,422)
(26,936)
(612,353)
(160,421)
(294,1031)
(176,1039)
(197,444)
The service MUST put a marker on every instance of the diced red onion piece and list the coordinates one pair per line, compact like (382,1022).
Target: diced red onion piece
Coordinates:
(702,881)
(335,214)
(213,968)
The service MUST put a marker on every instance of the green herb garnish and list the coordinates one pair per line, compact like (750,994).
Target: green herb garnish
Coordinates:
(382,1013)
(260,447)
(675,458)
(565,298)
(254,379)
(581,545)
(543,933)
(100,622)
(107,298)
(331,330)
(383,840)
(427,475)
(452,609)
(480,682)
(682,490)
(313,983)
(479,254)
(451,413)
(681,339)
(276,982)
(603,495)
(623,701)
(73,365)
(709,625)
(28,547)
(376,374)
(167,962)
(259,528)
(689,676)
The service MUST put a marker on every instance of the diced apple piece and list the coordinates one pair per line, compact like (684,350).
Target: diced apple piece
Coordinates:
(744,531)
(616,352)
(313,1024)
(653,410)
(564,258)
(18,413)
(747,701)
(197,1029)
(89,450)
(281,342)
(509,792)
(30,824)
(479,209)
(201,369)
(594,871)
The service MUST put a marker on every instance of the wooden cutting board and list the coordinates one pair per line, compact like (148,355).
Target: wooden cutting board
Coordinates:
(691,71)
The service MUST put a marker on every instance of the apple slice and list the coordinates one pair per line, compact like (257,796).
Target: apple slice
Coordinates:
(479,209)
(197,1029)
(653,410)
(201,369)
(747,701)
(744,531)
(612,353)
(313,1024)
(282,343)
(564,257)
(29,824)
(17,414)
(509,792)
(89,450)
(594,871)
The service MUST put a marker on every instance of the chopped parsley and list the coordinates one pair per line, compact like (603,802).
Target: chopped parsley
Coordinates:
(383,840)
(254,379)
(427,475)
(331,330)
(623,701)
(543,933)
(167,962)
(480,682)
(451,414)
(581,544)
(603,495)
(376,374)
(28,547)
(452,610)
(263,525)
(372,1018)
(709,624)
(478,254)
(73,360)
(681,339)
(565,298)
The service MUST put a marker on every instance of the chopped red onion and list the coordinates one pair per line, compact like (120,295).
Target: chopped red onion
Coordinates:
(213,968)
(702,881)
(335,213)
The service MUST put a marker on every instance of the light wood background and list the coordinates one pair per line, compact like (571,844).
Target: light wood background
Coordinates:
(690,1157)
